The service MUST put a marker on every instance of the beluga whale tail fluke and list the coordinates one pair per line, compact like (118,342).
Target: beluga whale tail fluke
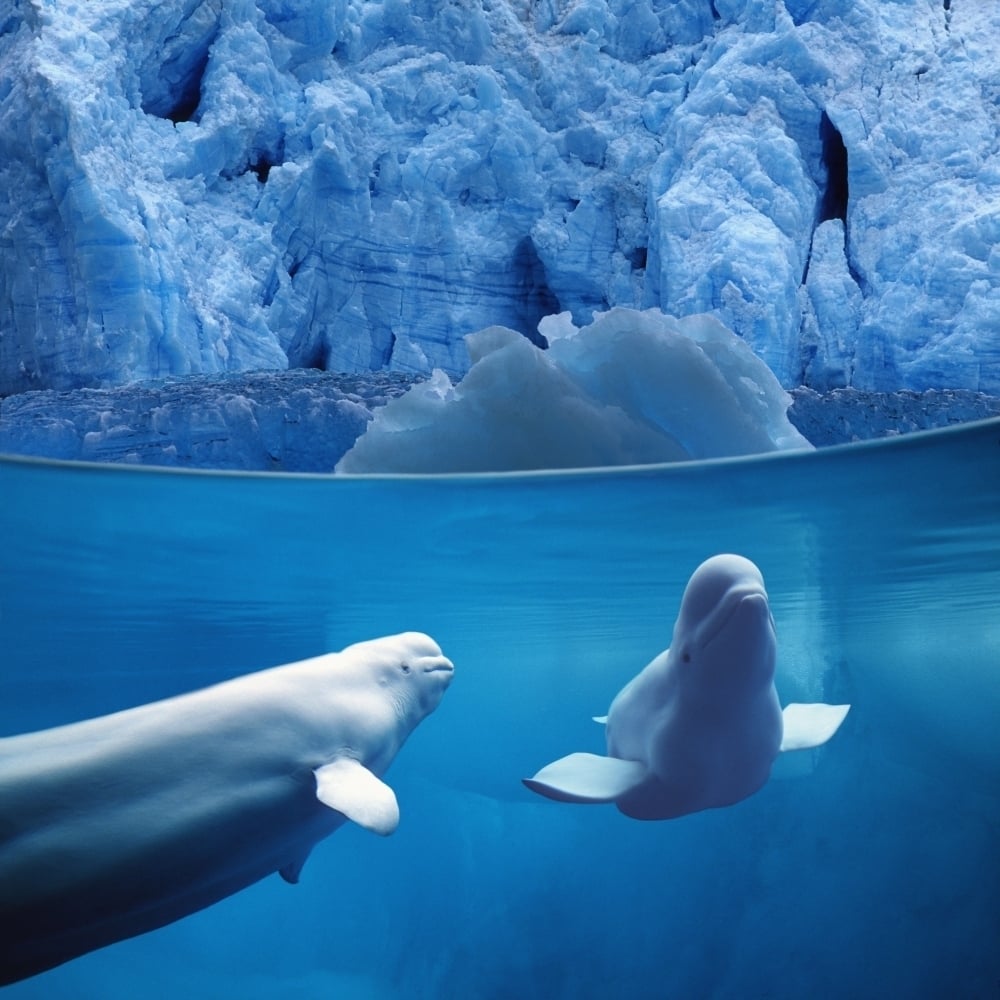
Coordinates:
(117,825)
(700,726)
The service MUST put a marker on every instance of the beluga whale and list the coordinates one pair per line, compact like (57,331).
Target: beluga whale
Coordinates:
(701,725)
(117,825)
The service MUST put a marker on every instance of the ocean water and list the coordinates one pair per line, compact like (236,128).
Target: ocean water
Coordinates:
(867,868)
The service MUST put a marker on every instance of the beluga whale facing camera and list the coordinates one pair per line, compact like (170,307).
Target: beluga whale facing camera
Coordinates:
(115,826)
(701,725)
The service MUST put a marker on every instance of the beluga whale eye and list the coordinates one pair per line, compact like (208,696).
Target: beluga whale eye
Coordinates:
(405,667)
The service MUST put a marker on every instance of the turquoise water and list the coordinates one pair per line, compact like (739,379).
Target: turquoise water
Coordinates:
(870,867)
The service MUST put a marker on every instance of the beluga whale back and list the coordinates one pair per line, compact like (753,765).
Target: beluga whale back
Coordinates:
(117,825)
(701,725)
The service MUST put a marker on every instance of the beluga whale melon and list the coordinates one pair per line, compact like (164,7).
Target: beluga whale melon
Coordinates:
(117,825)
(701,725)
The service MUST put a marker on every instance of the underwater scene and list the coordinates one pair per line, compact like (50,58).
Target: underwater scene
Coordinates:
(867,867)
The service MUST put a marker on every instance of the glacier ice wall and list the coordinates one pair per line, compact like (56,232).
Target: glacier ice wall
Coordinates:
(227,185)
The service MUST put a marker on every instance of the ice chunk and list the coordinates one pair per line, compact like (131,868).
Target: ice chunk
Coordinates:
(630,387)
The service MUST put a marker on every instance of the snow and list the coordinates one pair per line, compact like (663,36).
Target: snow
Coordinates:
(195,187)
(301,421)
(841,416)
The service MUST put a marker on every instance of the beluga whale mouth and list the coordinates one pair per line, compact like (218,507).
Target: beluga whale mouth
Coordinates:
(437,665)
(744,598)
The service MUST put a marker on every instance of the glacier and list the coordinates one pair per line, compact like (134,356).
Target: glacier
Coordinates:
(224,186)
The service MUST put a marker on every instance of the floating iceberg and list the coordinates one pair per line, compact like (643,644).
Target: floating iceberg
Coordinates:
(631,387)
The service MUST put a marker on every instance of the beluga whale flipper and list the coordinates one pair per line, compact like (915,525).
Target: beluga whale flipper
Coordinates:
(115,826)
(701,725)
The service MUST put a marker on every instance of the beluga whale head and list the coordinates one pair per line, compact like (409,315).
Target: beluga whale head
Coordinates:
(724,636)
(700,726)
(410,667)
(381,690)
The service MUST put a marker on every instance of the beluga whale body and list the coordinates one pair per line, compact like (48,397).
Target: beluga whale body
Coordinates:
(117,825)
(701,725)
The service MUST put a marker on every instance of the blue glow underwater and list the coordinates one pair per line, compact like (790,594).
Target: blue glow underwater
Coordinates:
(869,868)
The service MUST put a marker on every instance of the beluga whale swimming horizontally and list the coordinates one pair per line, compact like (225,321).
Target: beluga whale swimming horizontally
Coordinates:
(701,725)
(121,824)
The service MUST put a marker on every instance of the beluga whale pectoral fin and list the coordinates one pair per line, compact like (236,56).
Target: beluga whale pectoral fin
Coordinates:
(810,725)
(291,872)
(349,787)
(587,777)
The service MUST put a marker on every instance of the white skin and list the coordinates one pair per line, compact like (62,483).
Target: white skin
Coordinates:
(700,726)
(116,825)
(704,715)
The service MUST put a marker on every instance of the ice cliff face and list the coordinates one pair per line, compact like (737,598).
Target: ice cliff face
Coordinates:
(224,185)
